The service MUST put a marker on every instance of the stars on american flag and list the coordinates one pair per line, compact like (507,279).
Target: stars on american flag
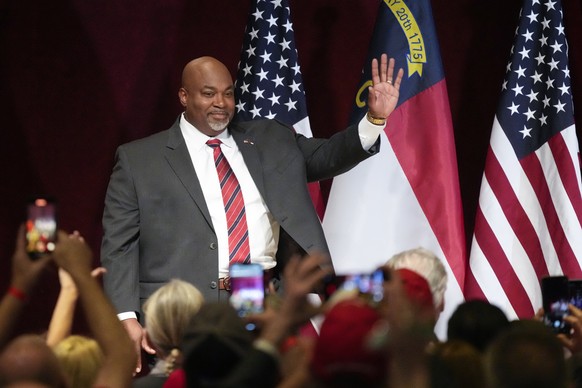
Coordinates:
(536,96)
(269,82)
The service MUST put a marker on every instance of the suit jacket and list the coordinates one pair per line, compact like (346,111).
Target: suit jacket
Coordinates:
(156,222)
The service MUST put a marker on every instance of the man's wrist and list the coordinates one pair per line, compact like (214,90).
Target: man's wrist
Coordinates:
(127,315)
(375,120)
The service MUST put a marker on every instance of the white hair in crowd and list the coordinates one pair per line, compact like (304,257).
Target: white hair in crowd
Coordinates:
(429,266)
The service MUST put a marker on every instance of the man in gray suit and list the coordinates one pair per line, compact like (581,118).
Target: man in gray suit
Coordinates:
(164,217)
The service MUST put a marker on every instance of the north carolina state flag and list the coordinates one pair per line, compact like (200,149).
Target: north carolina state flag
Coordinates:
(408,195)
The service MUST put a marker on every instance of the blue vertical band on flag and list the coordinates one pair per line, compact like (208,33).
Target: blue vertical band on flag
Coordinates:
(536,102)
(405,31)
(269,82)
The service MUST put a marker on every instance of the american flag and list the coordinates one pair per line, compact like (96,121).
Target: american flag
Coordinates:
(269,83)
(528,221)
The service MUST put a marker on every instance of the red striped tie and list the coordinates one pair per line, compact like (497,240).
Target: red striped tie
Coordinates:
(234,206)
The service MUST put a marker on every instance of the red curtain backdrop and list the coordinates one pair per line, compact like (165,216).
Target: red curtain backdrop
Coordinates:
(79,78)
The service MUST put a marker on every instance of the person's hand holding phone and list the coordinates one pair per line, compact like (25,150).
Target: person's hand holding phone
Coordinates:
(25,271)
(573,340)
(555,298)
(301,277)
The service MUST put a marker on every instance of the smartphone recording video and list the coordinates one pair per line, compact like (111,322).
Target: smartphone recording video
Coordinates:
(555,299)
(248,290)
(41,227)
(370,285)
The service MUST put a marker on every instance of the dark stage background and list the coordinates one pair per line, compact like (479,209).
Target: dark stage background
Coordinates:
(78,78)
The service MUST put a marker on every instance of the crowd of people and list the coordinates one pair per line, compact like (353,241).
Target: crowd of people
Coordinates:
(361,342)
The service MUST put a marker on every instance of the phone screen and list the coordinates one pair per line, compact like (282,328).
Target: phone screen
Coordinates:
(368,284)
(41,227)
(575,287)
(555,297)
(248,289)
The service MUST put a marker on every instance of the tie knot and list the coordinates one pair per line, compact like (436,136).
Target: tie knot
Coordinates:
(214,143)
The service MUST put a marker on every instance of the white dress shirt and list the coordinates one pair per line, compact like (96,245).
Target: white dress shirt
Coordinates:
(263,228)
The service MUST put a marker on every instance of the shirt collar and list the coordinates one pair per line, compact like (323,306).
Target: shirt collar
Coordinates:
(199,139)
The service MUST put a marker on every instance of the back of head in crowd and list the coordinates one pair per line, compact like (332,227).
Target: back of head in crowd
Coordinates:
(28,359)
(461,362)
(429,266)
(168,312)
(342,356)
(526,355)
(477,322)
(213,344)
(80,358)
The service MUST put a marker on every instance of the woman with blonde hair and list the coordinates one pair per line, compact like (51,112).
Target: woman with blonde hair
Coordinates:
(168,311)
(80,358)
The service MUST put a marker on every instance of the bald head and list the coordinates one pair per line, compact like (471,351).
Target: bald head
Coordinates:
(207,94)
(29,359)
(199,66)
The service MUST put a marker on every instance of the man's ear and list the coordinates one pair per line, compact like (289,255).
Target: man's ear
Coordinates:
(182,95)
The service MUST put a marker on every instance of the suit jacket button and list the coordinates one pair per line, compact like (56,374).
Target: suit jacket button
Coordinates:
(213,246)
(213,285)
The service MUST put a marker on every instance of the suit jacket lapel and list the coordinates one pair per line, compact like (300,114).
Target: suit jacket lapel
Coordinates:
(247,145)
(180,161)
